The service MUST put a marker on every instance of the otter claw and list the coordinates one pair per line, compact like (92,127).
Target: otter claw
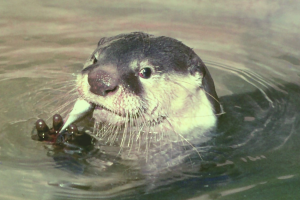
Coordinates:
(57,122)
(42,129)
(68,136)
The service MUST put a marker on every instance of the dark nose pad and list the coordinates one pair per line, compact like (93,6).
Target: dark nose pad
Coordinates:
(102,82)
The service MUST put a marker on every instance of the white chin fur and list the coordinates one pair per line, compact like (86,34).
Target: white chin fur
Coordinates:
(190,122)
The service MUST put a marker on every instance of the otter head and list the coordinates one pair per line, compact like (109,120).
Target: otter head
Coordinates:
(139,84)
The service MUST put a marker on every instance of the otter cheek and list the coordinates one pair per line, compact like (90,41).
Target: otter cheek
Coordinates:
(102,116)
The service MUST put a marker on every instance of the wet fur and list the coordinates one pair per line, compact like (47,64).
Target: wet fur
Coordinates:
(175,107)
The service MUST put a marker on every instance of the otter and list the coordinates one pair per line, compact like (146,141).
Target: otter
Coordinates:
(146,92)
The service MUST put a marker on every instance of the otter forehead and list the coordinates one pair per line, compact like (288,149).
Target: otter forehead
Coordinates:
(166,54)
(119,60)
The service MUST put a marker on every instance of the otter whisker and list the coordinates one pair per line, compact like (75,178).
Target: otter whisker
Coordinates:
(129,129)
(138,119)
(208,106)
(115,133)
(213,97)
(63,106)
(107,132)
(188,142)
(133,132)
(110,130)
(99,131)
(50,101)
(96,129)
(140,130)
(123,140)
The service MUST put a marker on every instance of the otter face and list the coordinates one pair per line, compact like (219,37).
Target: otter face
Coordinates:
(145,84)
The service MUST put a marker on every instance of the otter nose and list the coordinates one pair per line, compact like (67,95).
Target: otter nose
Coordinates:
(103,82)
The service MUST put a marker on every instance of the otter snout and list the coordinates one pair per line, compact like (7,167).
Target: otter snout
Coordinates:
(103,81)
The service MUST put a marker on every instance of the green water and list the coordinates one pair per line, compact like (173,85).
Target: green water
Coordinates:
(250,48)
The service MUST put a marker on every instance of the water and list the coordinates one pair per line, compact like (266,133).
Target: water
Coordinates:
(251,49)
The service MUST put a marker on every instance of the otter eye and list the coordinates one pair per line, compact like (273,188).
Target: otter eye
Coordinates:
(145,73)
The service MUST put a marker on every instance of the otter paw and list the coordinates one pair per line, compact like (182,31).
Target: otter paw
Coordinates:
(71,135)
(44,133)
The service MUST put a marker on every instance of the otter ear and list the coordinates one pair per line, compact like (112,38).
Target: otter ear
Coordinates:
(101,41)
(197,68)
(206,82)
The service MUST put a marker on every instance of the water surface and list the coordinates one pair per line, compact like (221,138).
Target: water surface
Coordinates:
(251,49)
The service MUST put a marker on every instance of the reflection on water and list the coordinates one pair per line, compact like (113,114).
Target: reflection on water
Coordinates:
(251,49)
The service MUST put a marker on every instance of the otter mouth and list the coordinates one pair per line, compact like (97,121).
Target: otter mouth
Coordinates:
(100,107)
(158,120)
(136,118)
(124,115)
